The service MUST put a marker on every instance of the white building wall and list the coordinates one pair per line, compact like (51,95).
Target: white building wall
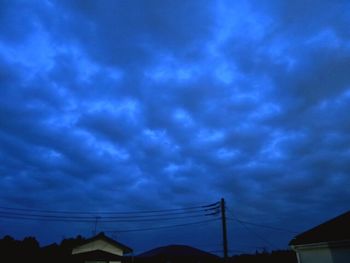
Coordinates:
(324,255)
(98,245)
(321,255)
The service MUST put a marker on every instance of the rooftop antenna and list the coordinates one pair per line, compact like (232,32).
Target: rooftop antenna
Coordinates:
(96,222)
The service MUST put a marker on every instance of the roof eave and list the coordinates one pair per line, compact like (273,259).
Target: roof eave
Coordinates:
(101,236)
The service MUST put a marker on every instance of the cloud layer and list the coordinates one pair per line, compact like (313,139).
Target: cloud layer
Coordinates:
(133,105)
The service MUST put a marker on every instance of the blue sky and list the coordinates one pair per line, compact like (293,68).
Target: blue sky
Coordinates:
(144,105)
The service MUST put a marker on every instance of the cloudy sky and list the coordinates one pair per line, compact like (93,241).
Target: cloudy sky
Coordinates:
(154,105)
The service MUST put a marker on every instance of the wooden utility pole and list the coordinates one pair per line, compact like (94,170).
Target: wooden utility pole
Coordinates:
(224,229)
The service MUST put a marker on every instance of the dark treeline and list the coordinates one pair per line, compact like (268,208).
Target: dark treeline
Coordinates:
(278,256)
(29,249)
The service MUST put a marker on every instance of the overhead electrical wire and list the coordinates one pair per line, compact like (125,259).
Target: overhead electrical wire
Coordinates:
(140,216)
(256,234)
(199,207)
(263,226)
(234,218)
(79,216)
(162,227)
(93,218)
(247,224)
(180,217)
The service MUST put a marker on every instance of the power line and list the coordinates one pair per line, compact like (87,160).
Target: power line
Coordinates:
(46,219)
(91,219)
(256,234)
(199,207)
(160,215)
(78,216)
(161,227)
(263,226)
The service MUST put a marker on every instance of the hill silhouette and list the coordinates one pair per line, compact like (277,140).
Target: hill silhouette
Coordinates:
(29,249)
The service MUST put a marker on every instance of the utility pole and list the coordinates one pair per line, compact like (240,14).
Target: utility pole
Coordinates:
(224,229)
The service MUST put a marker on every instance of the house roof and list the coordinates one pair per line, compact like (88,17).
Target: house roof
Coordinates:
(336,229)
(177,251)
(102,236)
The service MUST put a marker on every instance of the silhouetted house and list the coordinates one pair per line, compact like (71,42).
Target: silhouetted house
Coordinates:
(177,254)
(101,249)
(326,243)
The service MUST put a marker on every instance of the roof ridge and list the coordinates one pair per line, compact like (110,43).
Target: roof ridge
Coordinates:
(108,239)
(334,229)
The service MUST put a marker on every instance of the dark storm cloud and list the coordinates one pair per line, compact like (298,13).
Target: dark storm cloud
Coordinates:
(130,33)
(141,104)
(14,27)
